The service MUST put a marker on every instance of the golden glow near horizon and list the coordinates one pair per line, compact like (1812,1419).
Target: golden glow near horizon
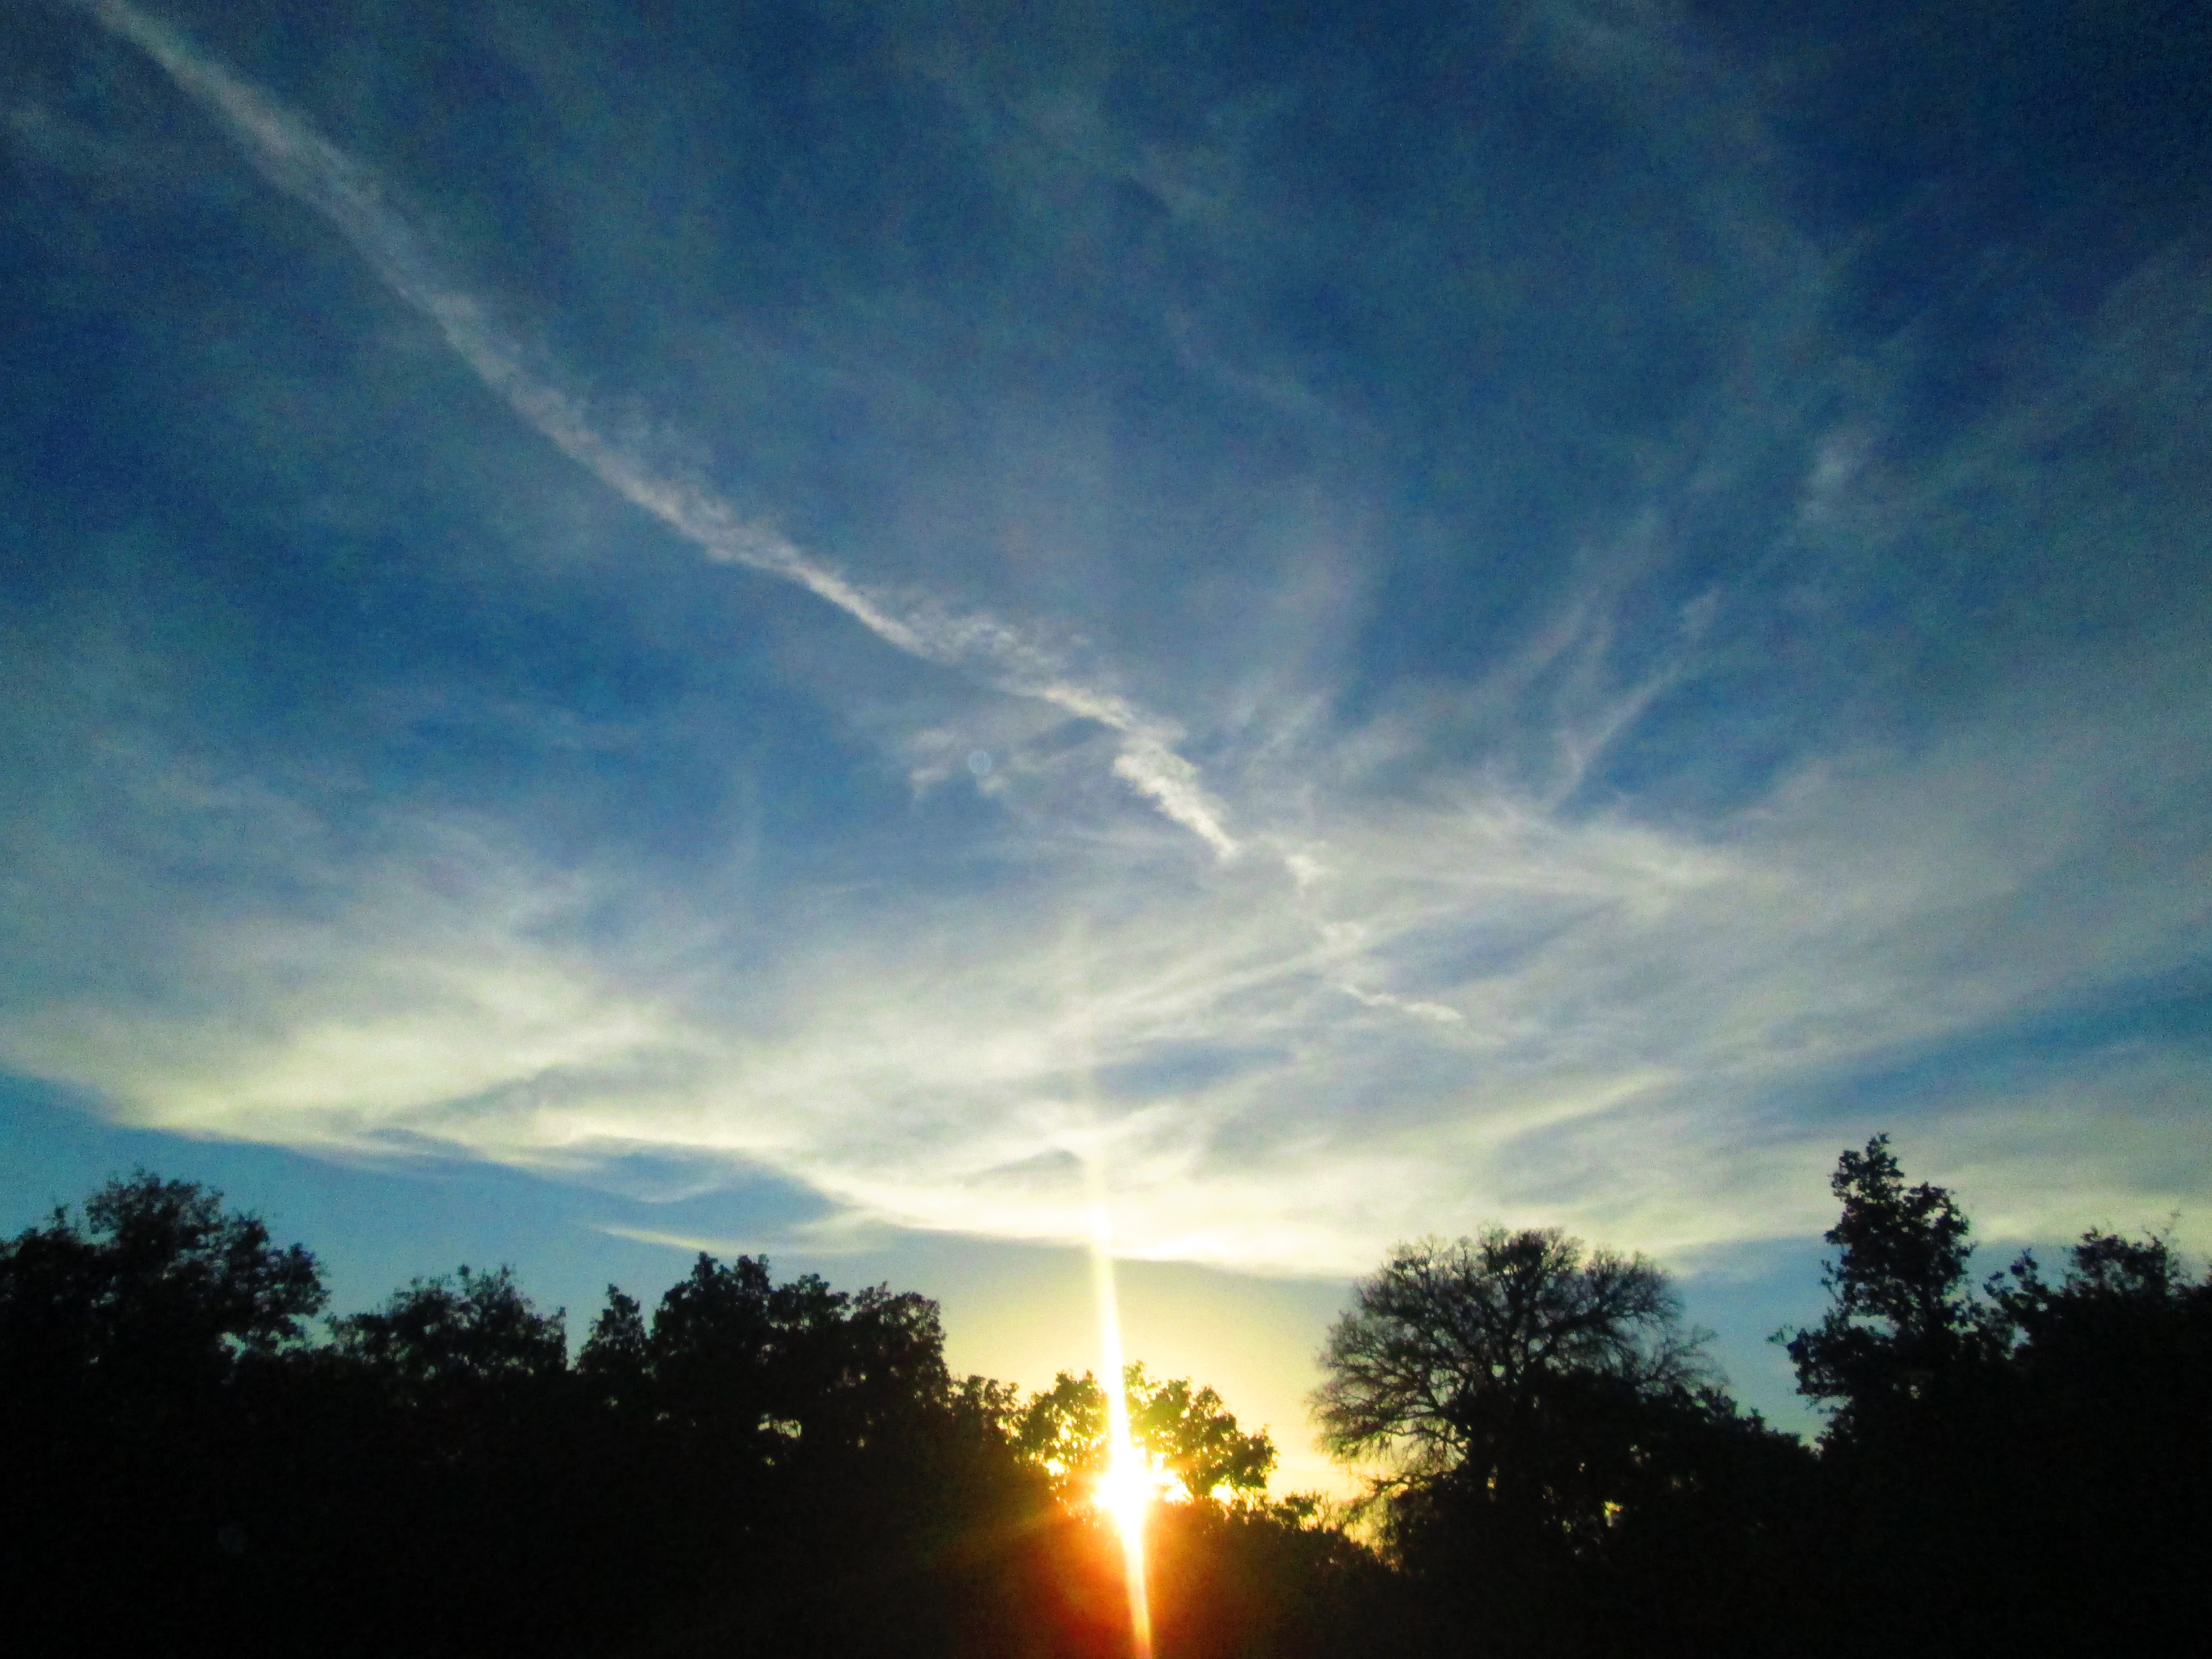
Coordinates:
(1126,1490)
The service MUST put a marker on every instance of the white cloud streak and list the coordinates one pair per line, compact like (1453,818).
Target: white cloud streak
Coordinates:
(1428,1010)
(304,165)
(1627,1007)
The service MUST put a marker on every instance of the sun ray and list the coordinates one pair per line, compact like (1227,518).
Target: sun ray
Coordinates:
(1125,1492)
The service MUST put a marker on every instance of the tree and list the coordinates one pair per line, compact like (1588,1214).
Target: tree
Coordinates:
(1186,1433)
(2110,1389)
(1194,1438)
(474,1332)
(1454,1354)
(1976,1466)
(1902,1320)
(1062,1430)
(809,1476)
(615,1360)
(2113,1287)
(1555,1450)
(139,1351)
(729,1350)
(158,1288)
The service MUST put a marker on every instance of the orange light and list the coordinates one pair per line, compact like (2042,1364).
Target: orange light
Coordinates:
(1125,1491)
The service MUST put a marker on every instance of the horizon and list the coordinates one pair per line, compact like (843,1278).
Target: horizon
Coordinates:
(771,630)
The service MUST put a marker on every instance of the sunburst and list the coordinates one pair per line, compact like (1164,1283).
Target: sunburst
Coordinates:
(1126,1490)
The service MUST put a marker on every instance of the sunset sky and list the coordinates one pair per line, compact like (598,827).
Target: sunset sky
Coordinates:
(632,628)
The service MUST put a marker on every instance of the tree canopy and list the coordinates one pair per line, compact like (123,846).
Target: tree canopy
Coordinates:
(1554,1442)
(2031,1456)
(1452,1346)
(1186,1433)
(1901,1314)
(472,1330)
(157,1282)
(785,1468)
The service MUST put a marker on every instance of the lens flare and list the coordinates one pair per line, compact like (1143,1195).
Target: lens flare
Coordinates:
(1126,1490)
(1126,1493)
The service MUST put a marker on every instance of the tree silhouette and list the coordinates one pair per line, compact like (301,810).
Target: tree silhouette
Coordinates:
(1184,1432)
(1193,1437)
(1919,1466)
(782,1468)
(1454,1354)
(1902,1319)
(1062,1430)
(475,1331)
(2029,1464)
(2108,1399)
(815,1479)
(1551,1435)
(158,1287)
(730,1351)
(138,1352)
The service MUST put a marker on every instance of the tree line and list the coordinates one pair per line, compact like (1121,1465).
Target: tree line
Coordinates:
(763,1467)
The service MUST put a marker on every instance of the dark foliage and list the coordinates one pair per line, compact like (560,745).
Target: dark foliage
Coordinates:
(1186,1433)
(2027,1466)
(1563,1476)
(159,1292)
(1903,1326)
(140,1350)
(764,1467)
(788,1469)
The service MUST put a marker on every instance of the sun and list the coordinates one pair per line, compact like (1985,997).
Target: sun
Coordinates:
(1126,1491)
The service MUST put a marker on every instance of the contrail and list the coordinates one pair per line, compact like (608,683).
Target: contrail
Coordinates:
(303,164)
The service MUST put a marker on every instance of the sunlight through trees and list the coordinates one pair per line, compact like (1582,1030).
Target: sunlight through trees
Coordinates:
(787,1468)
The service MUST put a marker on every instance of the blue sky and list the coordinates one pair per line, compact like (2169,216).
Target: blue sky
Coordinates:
(631,627)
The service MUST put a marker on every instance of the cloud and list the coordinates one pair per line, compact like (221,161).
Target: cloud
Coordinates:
(1502,952)
(1472,1008)
(306,165)
(432,989)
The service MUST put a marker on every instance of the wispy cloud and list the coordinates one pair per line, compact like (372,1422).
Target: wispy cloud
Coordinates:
(302,163)
(1471,1009)
(1466,972)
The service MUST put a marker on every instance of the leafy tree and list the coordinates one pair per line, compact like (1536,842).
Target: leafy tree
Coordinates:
(1194,1438)
(985,1408)
(1185,1432)
(159,1286)
(1902,1319)
(2113,1288)
(2029,1464)
(1063,1432)
(470,1328)
(614,1363)
(472,1331)
(731,1351)
(138,1347)
(1230,1573)
(810,1476)
(2109,1389)
(1918,1469)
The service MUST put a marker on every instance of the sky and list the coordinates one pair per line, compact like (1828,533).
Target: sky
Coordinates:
(810,628)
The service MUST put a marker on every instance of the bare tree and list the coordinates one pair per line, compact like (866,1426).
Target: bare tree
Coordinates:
(1462,1351)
